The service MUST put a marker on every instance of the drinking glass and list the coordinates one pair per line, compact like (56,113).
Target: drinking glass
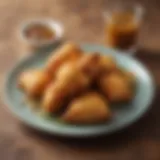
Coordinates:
(122,26)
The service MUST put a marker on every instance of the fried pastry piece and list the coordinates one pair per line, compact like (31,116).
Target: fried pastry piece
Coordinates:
(72,77)
(68,52)
(34,82)
(94,64)
(70,81)
(115,87)
(88,109)
(129,76)
(54,98)
(107,64)
(89,64)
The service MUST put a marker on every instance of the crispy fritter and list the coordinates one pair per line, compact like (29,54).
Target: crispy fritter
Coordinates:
(89,108)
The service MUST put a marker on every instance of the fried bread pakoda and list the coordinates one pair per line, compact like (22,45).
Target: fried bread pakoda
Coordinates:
(115,87)
(67,53)
(95,64)
(34,82)
(88,108)
(89,64)
(107,64)
(70,82)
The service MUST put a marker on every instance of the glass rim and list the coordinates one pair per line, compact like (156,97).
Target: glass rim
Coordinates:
(138,11)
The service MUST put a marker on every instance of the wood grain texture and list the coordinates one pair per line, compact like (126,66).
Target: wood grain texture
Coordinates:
(83,22)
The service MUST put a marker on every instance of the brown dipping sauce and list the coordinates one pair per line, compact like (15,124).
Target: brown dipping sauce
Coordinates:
(40,32)
(121,31)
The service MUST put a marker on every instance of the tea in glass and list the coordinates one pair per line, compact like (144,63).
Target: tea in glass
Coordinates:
(122,27)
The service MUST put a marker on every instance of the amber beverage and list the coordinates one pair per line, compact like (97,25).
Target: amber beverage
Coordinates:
(122,28)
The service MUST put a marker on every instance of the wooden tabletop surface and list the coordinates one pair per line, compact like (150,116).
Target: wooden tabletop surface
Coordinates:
(83,22)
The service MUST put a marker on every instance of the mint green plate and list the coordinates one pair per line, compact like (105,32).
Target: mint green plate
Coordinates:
(123,115)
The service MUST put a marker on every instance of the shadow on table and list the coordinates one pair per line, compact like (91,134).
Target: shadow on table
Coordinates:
(148,55)
(146,127)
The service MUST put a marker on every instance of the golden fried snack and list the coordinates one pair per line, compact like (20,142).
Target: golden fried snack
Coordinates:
(129,76)
(72,77)
(34,82)
(69,81)
(53,98)
(94,64)
(89,108)
(107,64)
(68,52)
(115,87)
(89,64)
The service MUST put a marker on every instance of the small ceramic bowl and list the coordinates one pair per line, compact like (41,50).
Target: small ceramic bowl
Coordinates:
(51,25)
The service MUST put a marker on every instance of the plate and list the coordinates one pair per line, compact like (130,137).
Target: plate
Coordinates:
(123,115)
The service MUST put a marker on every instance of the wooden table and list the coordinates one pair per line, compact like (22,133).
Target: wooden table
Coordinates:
(83,23)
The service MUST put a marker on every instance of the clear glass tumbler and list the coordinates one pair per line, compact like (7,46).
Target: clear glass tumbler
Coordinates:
(122,25)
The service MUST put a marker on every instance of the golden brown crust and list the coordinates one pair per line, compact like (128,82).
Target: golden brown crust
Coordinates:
(67,53)
(116,88)
(34,82)
(89,108)
(69,82)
